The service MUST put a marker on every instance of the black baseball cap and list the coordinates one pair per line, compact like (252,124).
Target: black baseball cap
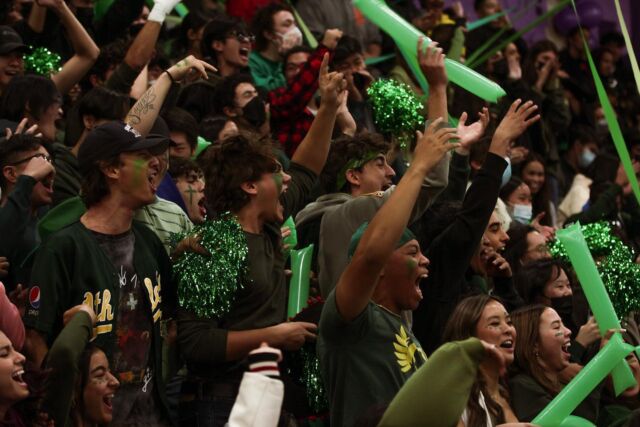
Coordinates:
(112,138)
(10,40)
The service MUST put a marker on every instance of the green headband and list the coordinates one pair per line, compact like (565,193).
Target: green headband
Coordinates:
(354,164)
(407,236)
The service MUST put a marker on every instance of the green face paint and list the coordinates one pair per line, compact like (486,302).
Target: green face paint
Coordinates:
(277,178)
(138,167)
(190,191)
(412,264)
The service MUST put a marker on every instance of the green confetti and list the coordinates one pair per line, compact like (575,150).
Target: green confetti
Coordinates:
(207,285)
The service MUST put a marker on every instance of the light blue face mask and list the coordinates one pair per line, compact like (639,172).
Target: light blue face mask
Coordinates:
(586,158)
(506,175)
(522,213)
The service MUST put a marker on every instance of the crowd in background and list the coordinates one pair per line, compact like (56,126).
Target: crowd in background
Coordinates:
(434,296)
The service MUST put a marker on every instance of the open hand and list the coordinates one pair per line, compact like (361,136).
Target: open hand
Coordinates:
(515,122)
(20,130)
(434,144)
(469,135)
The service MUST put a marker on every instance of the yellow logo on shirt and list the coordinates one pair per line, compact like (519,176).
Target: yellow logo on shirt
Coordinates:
(406,351)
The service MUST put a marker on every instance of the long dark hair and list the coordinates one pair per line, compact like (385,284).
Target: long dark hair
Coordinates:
(541,199)
(533,277)
(526,320)
(84,366)
(462,325)
(517,246)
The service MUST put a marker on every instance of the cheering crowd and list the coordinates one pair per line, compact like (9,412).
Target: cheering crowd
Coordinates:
(149,163)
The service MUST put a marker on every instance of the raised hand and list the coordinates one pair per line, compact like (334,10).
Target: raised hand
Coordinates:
(434,144)
(469,135)
(547,232)
(495,264)
(431,62)
(331,38)
(20,130)
(332,85)
(189,67)
(68,315)
(39,168)
(588,333)
(515,122)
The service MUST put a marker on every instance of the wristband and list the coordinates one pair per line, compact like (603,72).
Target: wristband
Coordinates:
(170,76)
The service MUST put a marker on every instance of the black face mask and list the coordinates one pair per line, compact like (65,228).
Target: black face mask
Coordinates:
(501,69)
(564,307)
(254,112)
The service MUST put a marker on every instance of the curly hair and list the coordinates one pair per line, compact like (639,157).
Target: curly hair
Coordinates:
(346,149)
(231,163)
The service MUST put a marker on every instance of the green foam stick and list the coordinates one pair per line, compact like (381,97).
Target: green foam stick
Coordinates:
(540,19)
(299,286)
(379,59)
(406,37)
(574,243)
(487,19)
(629,45)
(560,408)
(313,42)
(200,147)
(412,61)
(612,120)
(292,239)
(493,39)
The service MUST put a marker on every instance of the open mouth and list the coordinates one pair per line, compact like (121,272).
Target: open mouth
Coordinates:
(508,344)
(151,178)
(244,52)
(565,347)
(201,206)
(17,377)
(108,401)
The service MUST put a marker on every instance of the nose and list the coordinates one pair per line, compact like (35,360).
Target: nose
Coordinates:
(286,178)
(19,359)
(423,260)
(113,381)
(389,171)
(567,331)
(504,237)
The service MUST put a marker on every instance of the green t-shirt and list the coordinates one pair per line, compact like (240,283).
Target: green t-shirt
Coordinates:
(365,361)
(266,73)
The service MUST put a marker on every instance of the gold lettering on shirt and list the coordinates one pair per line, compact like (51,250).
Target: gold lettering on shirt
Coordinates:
(154,297)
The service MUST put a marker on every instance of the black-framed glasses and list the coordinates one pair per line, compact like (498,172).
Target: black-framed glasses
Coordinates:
(38,155)
(242,37)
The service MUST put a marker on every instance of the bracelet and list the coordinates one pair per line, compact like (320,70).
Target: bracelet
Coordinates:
(170,76)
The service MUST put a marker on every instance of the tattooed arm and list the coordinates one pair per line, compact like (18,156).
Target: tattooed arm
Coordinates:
(144,113)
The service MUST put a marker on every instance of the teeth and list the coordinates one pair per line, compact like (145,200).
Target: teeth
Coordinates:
(18,375)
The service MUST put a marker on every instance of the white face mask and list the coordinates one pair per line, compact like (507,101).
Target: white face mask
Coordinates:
(522,213)
(292,38)
(586,158)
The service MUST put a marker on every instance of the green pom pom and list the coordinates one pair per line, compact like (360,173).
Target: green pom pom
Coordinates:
(396,109)
(620,274)
(304,369)
(42,61)
(207,285)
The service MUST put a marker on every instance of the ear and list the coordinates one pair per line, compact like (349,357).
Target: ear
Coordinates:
(95,80)
(230,111)
(353,177)
(192,35)
(250,188)
(218,45)
(9,173)
(89,121)
(111,171)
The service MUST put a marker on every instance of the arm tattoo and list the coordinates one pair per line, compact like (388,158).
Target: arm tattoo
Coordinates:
(142,107)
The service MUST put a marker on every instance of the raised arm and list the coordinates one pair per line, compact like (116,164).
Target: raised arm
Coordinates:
(86,51)
(314,148)
(357,283)
(144,113)
(431,60)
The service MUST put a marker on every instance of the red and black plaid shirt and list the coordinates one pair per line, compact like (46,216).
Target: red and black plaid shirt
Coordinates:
(290,117)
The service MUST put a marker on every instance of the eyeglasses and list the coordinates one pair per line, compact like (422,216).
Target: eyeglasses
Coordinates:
(242,37)
(38,155)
